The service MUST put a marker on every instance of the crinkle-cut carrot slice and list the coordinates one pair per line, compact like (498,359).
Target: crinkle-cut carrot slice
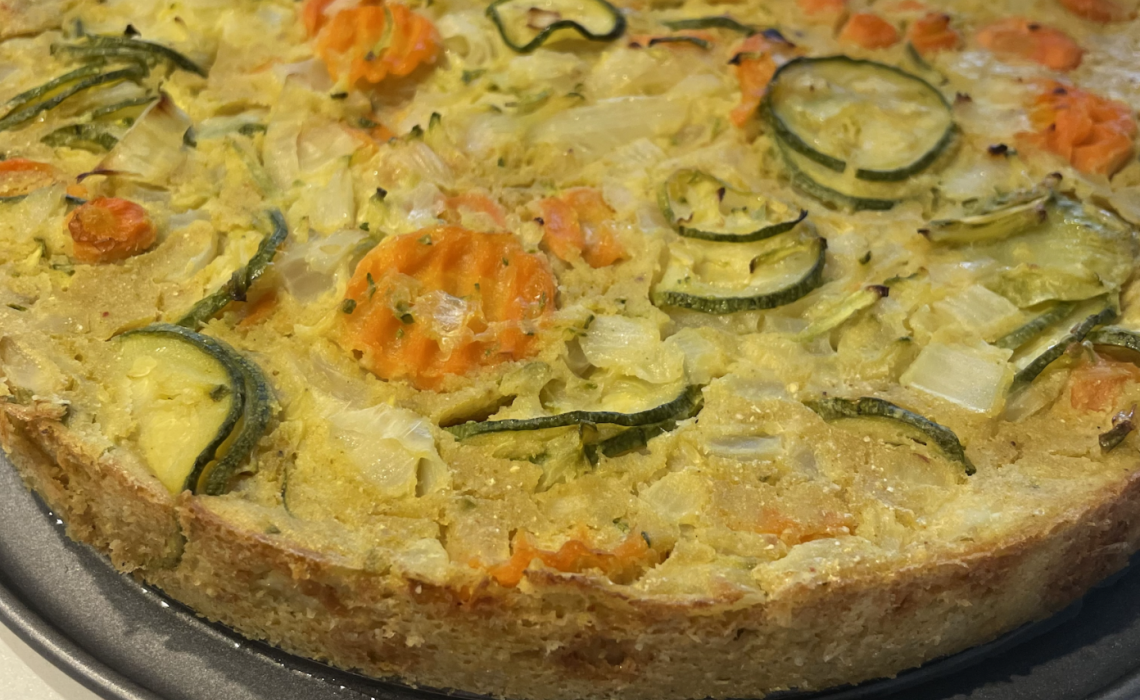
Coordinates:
(932,33)
(109,229)
(445,301)
(357,44)
(755,63)
(475,205)
(869,31)
(1096,386)
(1103,11)
(1022,38)
(621,564)
(1093,133)
(822,11)
(19,176)
(579,224)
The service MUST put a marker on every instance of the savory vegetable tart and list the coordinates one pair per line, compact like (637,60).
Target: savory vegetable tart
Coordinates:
(561,349)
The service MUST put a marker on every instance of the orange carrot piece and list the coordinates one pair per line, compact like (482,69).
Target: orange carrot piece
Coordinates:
(474,203)
(1022,38)
(1093,133)
(575,556)
(445,301)
(109,229)
(823,11)
(579,224)
(932,33)
(755,63)
(792,530)
(1103,11)
(1096,386)
(19,176)
(313,15)
(259,309)
(357,44)
(869,31)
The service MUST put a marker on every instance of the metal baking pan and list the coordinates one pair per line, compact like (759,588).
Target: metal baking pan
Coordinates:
(127,642)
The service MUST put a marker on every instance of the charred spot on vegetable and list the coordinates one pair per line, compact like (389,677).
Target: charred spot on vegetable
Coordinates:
(189,138)
(219,392)
(1122,425)
(1000,149)
(380,194)
(425,239)
(348,306)
(339,96)
(865,258)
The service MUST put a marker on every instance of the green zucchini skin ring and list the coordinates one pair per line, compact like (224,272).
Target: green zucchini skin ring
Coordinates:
(225,355)
(758,235)
(256,419)
(1025,377)
(1024,333)
(637,437)
(540,39)
(787,136)
(804,182)
(94,46)
(236,287)
(679,406)
(832,408)
(728,305)
(40,90)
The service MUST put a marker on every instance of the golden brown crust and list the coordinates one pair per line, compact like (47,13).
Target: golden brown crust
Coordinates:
(565,635)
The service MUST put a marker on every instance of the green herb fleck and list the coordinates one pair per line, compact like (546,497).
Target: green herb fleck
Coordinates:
(348,306)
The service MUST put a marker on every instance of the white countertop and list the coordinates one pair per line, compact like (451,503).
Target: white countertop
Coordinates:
(28,676)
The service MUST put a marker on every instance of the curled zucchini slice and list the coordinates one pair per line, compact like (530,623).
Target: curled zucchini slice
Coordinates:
(1035,326)
(994,219)
(53,98)
(200,407)
(712,22)
(674,410)
(701,206)
(845,113)
(831,408)
(235,289)
(773,273)
(526,25)
(839,189)
(638,437)
(1033,358)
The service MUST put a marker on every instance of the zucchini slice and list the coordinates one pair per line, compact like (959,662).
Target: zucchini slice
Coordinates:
(246,434)
(1122,425)
(95,47)
(21,115)
(29,96)
(682,406)
(186,394)
(841,112)
(994,219)
(235,289)
(839,189)
(841,312)
(526,25)
(1032,359)
(701,206)
(1035,326)
(831,408)
(638,437)
(712,22)
(88,137)
(771,273)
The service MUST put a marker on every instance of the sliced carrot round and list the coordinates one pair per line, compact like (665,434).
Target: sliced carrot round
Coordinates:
(1103,11)
(932,33)
(109,229)
(1093,133)
(1022,38)
(869,31)
(579,224)
(19,176)
(367,44)
(445,301)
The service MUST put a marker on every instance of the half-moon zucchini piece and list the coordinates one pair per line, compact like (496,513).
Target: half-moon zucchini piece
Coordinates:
(994,219)
(832,408)
(682,406)
(847,113)
(236,287)
(717,279)
(1035,326)
(247,433)
(526,25)
(638,437)
(838,188)
(701,206)
(186,394)
(1032,359)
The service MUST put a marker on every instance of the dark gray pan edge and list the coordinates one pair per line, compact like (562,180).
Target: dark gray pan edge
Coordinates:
(126,642)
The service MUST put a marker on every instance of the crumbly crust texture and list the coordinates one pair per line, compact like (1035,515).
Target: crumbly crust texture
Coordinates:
(749,545)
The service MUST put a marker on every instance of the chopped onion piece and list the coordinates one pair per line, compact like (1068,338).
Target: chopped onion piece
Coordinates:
(152,149)
(974,377)
(632,347)
(678,497)
(979,310)
(611,123)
